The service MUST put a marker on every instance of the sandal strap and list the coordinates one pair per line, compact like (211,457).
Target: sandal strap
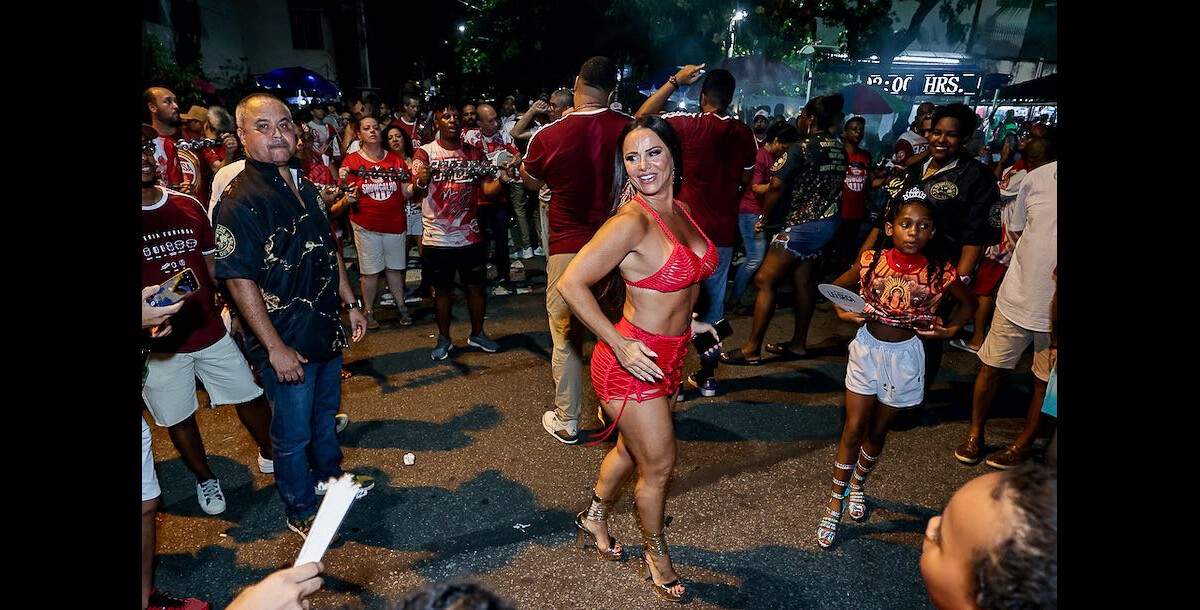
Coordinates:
(839,483)
(841,466)
(599,509)
(656,544)
(864,454)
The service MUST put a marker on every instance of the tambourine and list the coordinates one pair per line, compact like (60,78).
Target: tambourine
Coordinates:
(385,173)
(198,144)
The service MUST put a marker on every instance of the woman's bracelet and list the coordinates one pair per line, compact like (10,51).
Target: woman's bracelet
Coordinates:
(674,81)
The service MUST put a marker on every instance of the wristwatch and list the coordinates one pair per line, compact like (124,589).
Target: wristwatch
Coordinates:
(355,304)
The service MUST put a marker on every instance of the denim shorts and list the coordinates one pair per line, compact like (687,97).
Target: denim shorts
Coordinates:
(805,240)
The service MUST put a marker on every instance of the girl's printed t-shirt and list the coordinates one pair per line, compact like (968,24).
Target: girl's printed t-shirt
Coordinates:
(902,294)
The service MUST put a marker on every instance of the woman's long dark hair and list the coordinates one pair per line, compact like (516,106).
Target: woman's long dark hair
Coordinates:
(610,291)
(663,130)
(408,147)
(932,255)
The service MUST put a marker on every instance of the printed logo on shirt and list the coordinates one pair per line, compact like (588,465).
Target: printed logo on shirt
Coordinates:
(943,191)
(780,163)
(226,242)
(378,189)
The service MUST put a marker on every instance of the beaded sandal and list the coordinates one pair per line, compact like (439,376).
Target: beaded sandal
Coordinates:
(855,501)
(656,546)
(598,511)
(827,528)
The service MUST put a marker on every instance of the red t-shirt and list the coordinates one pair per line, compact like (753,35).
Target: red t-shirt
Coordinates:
(166,160)
(854,189)
(491,146)
(411,131)
(574,156)
(900,294)
(751,203)
(380,200)
(716,151)
(449,212)
(176,234)
(213,155)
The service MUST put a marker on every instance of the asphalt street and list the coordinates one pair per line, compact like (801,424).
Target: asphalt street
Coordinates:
(491,496)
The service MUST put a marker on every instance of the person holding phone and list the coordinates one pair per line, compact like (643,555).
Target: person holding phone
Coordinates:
(902,288)
(178,247)
(661,255)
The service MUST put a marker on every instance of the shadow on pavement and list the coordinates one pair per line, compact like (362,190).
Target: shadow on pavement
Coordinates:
(470,530)
(854,574)
(196,576)
(740,421)
(420,435)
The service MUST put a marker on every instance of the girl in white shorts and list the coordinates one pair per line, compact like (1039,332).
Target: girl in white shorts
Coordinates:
(886,371)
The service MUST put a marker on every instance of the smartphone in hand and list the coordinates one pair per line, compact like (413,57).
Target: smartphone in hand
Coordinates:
(175,289)
(705,341)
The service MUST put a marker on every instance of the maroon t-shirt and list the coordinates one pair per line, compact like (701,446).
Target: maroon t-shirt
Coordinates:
(751,203)
(574,156)
(176,234)
(854,189)
(716,150)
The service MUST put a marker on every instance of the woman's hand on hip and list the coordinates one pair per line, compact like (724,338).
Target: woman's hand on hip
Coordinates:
(638,359)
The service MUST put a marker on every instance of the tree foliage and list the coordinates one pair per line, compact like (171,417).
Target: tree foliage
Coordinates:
(160,69)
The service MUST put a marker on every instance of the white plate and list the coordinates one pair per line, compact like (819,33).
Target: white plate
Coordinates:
(843,298)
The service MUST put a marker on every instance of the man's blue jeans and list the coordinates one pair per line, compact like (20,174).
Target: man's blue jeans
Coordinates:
(756,249)
(302,432)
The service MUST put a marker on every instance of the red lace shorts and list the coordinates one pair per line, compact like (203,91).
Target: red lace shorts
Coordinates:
(613,383)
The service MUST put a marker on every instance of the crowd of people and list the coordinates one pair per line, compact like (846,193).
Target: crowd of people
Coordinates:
(639,219)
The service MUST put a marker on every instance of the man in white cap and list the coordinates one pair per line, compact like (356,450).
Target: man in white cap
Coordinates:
(762,120)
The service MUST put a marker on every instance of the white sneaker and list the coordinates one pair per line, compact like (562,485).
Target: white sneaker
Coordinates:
(514,255)
(500,291)
(527,253)
(538,251)
(210,496)
(266,466)
(341,420)
(564,432)
(387,300)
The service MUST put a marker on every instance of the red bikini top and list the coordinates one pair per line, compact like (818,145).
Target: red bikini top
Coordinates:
(683,268)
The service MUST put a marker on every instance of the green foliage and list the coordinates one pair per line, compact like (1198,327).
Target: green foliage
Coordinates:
(159,69)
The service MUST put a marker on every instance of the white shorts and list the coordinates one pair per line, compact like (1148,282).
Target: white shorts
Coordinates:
(379,251)
(892,372)
(1006,341)
(412,213)
(170,389)
(150,488)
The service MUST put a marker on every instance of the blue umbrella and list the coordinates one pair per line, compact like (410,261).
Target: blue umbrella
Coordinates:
(299,79)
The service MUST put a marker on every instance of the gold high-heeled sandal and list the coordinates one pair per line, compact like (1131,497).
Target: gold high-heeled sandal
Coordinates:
(598,511)
(656,546)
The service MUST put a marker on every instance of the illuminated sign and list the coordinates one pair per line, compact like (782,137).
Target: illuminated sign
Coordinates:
(928,83)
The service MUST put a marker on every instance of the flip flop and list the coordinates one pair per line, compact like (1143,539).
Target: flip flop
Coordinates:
(405,319)
(784,353)
(737,358)
(962,345)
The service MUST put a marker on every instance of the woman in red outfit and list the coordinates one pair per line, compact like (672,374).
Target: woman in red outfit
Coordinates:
(661,255)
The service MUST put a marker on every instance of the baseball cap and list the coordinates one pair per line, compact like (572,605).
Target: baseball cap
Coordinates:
(762,113)
(195,113)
